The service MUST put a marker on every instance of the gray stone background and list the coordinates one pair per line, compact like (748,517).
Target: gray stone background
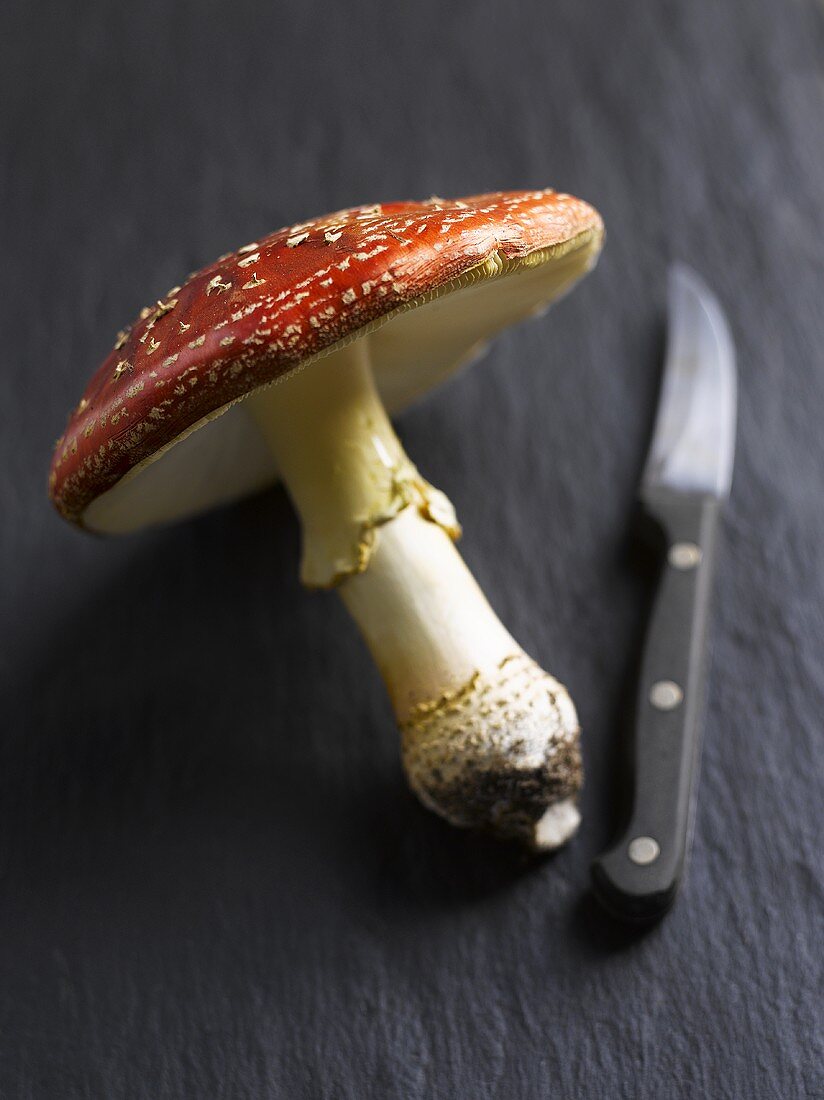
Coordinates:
(213,882)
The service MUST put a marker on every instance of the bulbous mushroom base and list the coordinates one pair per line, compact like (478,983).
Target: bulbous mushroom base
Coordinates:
(502,753)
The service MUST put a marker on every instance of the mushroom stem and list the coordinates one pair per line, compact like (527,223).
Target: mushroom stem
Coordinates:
(488,738)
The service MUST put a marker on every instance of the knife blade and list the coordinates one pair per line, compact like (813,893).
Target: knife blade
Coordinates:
(684,485)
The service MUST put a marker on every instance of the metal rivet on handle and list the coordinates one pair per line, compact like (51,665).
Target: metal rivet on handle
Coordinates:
(684,555)
(643,850)
(665,695)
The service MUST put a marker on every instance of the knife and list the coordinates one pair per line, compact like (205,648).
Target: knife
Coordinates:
(685,483)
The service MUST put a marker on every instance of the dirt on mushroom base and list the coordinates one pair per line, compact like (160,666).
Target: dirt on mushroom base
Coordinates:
(494,753)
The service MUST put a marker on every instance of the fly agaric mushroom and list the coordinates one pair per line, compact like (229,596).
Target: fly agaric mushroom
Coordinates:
(354,316)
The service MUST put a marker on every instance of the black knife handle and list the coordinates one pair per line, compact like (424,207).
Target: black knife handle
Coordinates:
(638,877)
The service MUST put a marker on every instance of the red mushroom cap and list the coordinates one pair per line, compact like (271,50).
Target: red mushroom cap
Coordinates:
(258,313)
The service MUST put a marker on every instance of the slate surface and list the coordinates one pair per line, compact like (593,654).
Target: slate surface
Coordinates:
(213,882)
